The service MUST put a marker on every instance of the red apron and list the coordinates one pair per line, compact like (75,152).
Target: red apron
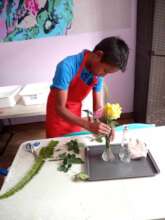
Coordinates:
(55,124)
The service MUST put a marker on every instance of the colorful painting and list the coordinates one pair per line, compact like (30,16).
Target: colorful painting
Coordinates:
(28,19)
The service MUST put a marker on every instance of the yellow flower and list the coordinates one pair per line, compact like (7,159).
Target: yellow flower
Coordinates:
(112,111)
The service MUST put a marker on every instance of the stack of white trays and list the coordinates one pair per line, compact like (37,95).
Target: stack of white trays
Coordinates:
(9,95)
(35,93)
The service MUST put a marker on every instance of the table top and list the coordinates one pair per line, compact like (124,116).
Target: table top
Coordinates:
(53,195)
(21,110)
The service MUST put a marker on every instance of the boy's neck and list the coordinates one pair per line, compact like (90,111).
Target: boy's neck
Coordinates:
(88,62)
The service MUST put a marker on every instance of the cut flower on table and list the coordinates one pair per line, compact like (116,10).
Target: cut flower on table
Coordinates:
(108,115)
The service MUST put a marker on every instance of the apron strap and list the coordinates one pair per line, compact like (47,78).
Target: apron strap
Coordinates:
(82,66)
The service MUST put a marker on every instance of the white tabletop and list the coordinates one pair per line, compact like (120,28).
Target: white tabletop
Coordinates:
(52,195)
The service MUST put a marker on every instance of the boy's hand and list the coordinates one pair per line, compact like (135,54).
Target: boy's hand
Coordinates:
(100,128)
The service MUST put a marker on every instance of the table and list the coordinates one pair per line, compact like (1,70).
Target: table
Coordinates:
(52,195)
(19,111)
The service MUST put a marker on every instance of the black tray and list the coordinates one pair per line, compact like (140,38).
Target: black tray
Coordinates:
(97,169)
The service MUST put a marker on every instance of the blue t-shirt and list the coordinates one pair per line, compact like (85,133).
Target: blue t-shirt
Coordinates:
(67,69)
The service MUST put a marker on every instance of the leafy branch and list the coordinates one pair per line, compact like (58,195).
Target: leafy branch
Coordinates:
(68,159)
(44,153)
(74,146)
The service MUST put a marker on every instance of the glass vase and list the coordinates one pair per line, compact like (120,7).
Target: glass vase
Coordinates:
(108,155)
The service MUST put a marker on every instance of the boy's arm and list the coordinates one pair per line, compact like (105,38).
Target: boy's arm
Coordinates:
(97,101)
(96,127)
(97,94)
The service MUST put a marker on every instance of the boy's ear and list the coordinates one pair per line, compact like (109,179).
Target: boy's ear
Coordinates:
(99,53)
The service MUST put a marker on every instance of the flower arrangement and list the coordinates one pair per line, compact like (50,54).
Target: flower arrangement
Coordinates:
(108,114)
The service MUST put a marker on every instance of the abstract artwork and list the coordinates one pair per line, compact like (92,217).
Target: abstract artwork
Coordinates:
(29,19)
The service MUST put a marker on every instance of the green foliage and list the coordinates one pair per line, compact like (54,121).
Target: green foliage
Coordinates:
(81,176)
(30,174)
(68,160)
(112,123)
(98,138)
(74,146)
(44,153)
(47,152)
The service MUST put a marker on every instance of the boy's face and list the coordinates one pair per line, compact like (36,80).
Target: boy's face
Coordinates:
(100,68)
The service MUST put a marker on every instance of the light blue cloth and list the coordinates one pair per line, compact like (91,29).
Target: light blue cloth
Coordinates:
(77,133)
(118,128)
(134,126)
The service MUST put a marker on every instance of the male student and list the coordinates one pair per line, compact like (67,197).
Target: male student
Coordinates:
(74,78)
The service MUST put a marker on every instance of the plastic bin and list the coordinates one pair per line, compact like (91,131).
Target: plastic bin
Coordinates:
(9,95)
(35,94)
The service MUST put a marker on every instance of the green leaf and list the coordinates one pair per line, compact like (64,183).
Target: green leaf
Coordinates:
(76,160)
(73,145)
(68,160)
(98,138)
(81,176)
(63,168)
(47,151)
(30,174)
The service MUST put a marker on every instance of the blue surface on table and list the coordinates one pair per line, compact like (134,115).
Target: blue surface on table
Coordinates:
(118,128)
(134,126)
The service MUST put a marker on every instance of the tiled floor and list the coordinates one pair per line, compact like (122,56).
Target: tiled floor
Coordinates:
(24,133)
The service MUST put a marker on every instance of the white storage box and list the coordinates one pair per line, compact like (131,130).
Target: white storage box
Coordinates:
(36,93)
(9,96)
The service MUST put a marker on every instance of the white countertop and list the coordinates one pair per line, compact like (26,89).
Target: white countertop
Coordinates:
(52,195)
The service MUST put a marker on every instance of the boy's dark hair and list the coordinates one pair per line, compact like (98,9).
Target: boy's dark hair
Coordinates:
(115,52)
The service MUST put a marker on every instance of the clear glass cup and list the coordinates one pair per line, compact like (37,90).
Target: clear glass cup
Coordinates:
(124,153)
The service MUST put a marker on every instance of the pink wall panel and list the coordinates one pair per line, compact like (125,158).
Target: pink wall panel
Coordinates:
(35,60)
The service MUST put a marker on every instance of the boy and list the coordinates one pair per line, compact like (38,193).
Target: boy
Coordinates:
(75,77)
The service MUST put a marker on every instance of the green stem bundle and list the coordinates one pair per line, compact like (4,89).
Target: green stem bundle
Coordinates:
(44,153)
